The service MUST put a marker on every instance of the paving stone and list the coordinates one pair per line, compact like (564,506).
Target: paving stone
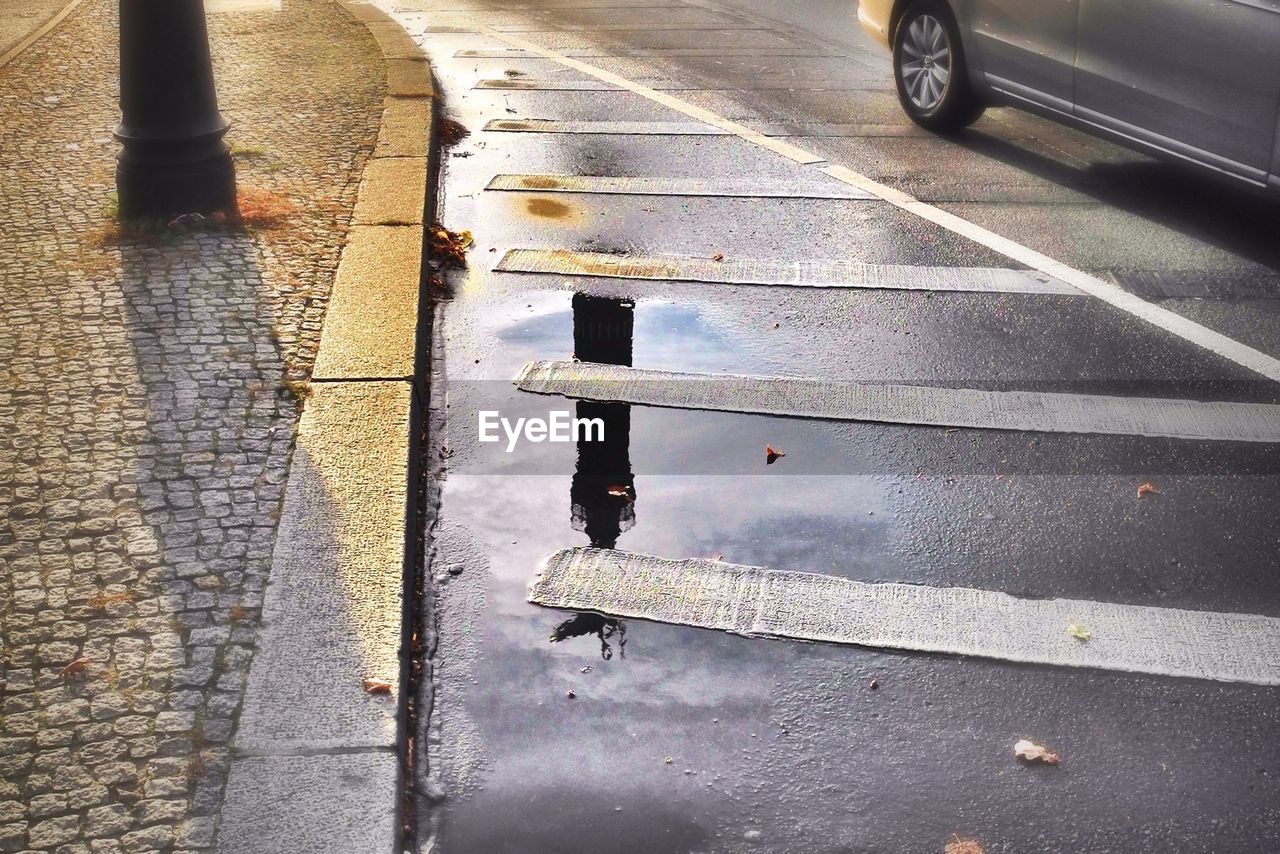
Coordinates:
(54,831)
(145,424)
(304,804)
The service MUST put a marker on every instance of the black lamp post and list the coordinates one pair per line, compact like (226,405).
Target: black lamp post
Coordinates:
(174,160)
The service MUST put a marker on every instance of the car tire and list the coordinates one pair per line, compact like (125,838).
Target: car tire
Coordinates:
(930,71)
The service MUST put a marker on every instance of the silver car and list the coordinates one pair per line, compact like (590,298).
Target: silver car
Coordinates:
(1190,80)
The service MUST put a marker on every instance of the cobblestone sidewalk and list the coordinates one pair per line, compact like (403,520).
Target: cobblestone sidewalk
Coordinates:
(148,405)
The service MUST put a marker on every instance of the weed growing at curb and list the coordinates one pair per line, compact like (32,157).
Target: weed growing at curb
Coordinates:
(256,210)
(299,390)
(248,152)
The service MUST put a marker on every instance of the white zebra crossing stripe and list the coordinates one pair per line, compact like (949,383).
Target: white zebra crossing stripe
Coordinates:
(529,84)
(756,602)
(622,128)
(720,187)
(656,52)
(1188,330)
(802,397)
(797,274)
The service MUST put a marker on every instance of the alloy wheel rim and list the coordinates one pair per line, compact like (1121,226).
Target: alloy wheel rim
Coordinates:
(925,63)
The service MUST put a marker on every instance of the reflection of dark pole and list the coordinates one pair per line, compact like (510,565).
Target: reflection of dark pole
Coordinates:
(174,160)
(603,492)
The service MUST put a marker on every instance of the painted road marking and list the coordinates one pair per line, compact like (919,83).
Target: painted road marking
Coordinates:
(659,52)
(803,397)
(770,133)
(653,27)
(757,602)
(1162,318)
(795,274)
(528,84)
(620,127)
(724,188)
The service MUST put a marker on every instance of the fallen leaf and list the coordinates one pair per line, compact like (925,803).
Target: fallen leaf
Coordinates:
(449,247)
(771,456)
(77,666)
(963,846)
(1079,632)
(719,256)
(376,686)
(1147,488)
(452,132)
(1032,752)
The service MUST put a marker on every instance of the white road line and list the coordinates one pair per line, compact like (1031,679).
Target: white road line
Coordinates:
(629,186)
(653,52)
(770,132)
(801,397)
(1171,322)
(793,274)
(530,84)
(625,128)
(756,602)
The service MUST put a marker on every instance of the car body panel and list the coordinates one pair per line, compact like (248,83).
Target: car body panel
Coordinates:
(1203,89)
(1203,75)
(874,16)
(1040,58)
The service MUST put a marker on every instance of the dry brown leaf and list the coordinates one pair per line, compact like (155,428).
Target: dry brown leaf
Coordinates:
(452,132)
(376,686)
(771,456)
(75,667)
(963,846)
(1147,488)
(449,247)
(1031,752)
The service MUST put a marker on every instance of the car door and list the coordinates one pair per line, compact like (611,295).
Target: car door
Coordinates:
(1203,76)
(1028,47)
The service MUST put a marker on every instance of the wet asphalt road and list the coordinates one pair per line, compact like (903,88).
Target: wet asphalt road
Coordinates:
(677,739)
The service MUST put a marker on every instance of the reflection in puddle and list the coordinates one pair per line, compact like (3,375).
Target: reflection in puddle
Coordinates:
(580,625)
(603,491)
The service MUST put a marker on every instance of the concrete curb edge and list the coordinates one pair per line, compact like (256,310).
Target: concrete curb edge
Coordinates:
(319,762)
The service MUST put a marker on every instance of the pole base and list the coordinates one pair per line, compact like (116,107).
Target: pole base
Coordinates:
(153,183)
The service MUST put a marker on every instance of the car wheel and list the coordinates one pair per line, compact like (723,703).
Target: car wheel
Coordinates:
(930,71)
